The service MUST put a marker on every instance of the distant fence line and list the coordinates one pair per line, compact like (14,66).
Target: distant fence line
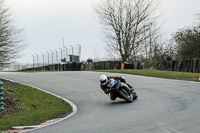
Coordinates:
(185,65)
(56,56)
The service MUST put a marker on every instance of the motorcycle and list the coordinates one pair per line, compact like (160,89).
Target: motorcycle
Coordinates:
(122,90)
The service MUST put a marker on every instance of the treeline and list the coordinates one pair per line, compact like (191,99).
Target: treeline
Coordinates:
(132,32)
(183,45)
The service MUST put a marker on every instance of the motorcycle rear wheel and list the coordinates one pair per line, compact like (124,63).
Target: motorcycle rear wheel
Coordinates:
(135,96)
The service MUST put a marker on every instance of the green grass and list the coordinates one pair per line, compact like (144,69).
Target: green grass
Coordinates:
(34,71)
(159,74)
(36,106)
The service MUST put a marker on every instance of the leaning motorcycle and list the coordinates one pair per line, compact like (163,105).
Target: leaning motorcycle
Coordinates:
(122,90)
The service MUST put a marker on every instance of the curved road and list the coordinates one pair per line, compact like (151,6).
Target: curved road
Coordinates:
(163,106)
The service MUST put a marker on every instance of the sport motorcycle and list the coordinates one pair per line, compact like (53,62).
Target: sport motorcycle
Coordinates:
(122,90)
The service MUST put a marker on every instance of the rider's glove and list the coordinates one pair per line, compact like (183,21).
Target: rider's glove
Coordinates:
(106,91)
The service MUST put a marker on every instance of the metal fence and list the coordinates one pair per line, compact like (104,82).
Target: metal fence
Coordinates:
(65,54)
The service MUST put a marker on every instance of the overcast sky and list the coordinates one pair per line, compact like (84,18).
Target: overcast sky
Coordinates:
(47,22)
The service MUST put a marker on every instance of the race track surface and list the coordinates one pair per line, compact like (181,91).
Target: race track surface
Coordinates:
(163,106)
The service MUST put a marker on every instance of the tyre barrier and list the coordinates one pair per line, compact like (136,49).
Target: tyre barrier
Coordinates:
(1,96)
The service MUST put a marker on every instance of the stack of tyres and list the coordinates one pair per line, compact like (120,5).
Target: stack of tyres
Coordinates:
(1,96)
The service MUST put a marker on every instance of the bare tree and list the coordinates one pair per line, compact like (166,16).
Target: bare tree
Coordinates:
(126,24)
(150,44)
(11,41)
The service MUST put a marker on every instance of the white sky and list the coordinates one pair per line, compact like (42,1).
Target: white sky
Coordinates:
(47,22)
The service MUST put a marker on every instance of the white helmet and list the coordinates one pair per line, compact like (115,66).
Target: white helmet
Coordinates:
(103,79)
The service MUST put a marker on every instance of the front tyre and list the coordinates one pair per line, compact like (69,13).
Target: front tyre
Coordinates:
(125,94)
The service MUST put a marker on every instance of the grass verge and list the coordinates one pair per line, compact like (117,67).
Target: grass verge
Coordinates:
(34,106)
(159,74)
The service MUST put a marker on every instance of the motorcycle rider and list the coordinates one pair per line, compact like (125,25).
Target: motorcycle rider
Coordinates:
(105,84)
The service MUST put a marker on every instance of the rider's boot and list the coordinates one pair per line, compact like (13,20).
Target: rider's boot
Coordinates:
(112,96)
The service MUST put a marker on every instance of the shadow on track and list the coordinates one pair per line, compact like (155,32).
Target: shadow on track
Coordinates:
(120,102)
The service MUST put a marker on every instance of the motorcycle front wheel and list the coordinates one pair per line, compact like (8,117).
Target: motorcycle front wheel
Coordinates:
(125,94)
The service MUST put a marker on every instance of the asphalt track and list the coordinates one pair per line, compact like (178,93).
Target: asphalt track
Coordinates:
(163,106)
